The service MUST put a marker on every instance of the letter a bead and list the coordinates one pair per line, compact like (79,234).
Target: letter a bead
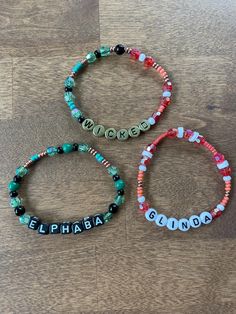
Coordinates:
(206,218)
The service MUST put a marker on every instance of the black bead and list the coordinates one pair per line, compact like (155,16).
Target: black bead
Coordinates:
(13,194)
(54,228)
(88,223)
(17,179)
(81,119)
(119,49)
(97,54)
(75,147)
(34,223)
(68,89)
(77,227)
(116,177)
(98,220)
(113,208)
(65,228)
(19,210)
(120,192)
(60,150)
(43,229)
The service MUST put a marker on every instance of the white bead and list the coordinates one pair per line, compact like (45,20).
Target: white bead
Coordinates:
(142,57)
(141,199)
(172,223)
(206,218)
(151,121)
(220,207)
(142,168)
(193,137)
(180,133)
(195,221)
(184,224)
(227,178)
(161,220)
(151,214)
(223,164)
(166,94)
(147,154)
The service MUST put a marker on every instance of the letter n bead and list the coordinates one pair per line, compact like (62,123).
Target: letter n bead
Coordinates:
(151,214)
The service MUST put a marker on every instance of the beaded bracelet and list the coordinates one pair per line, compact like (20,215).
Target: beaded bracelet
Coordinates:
(111,133)
(194,221)
(76,227)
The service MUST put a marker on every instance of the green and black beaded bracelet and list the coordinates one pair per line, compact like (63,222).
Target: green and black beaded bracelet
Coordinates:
(76,227)
(111,133)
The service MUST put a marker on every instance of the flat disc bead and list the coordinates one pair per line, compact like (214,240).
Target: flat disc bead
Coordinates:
(151,214)
(122,135)
(88,124)
(110,133)
(195,221)
(144,125)
(161,220)
(172,223)
(184,224)
(99,130)
(134,131)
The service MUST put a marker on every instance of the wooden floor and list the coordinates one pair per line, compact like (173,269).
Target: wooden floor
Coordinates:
(128,266)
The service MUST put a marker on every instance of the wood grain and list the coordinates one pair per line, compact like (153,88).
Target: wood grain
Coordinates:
(128,266)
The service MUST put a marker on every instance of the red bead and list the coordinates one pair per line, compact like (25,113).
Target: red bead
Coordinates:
(148,62)
(134,54)
(165,101)
(218,158)
(202,140)
(156,116)
(151,148)
(226,171)
(171,133)
(167,86)
(188,133)
(144,207)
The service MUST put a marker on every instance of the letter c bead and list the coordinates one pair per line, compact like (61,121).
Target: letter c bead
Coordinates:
(151,214)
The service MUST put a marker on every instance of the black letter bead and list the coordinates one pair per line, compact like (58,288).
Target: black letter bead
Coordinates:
(54,228)
(88,223)
(77,227)
(13,194)
(19,210)
(81,119)
(75,147)
(97,54)
(98,220)
(43,229)
(65,227)
(60,150)
(116,177)
(113,208)
(33,223)
(119,49)
(120,192)
(17,179)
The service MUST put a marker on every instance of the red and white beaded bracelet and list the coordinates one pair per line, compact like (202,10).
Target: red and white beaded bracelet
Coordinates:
(194,221)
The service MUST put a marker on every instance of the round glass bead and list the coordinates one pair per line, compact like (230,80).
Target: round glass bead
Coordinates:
(105,51)
(69,82)
(112,170)
(120,184)
(84,148)
(91,57)
(13,186)
(68,96)
(119,200)
(134,54)
(67,148)
(51,151)
(24,219)
(148,62)
(21,171)
(76,113)
(14,202)
(107,216)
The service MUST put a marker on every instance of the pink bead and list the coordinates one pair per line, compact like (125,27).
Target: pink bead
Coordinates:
(167,86)
(134,54)
(188,133)
(218,158)
(165,101)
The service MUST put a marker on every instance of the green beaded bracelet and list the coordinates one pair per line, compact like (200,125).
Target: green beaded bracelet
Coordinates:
(110,133)
(76,227)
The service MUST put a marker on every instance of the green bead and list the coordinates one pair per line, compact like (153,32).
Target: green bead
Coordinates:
(112,170)
(67,148)
(99,130)
(99,157)
(144,125)
(76,113)
(15,201)
(77,67)
(119,200)
(69,82)
(134,131)
(13,186)
(51,151)
(84,148)
(24,219)
(88,124)
(110,134)
(107,216)
(91,57)
(119,184)
(35,157)
(68,96)
(21,171)
(122,135)
(105,51)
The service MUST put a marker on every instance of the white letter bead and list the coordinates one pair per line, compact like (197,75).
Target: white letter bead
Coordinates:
(195,221)
(223,164)
(172,223)
(184,224)
(193,137)
(206,218)
(151,214)
(220,207)
(180,133)
(161,220)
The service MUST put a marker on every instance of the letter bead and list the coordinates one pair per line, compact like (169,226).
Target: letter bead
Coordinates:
(184,224)
(65,228)
(206,218)
(161,220)
(54,228)
(88,223)
(34,222)
(88,124)
(110,133)
(77,227)
(98,220)
(151,214)
(195,221)
(43,229)
(172,223)
(134,131)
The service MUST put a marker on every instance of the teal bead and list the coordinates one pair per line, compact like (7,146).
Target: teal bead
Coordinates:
(21,171)
(51,151)
(68,96)
(76,113)
(99,157)
(119,200)
(83,148)
(13,186)
(24,219)
(77,67)
(107,216)
(105,51)
(67,148)
(69,82)
(112,170)
(35,157)
(119,184)
(91,57)
(15,201)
